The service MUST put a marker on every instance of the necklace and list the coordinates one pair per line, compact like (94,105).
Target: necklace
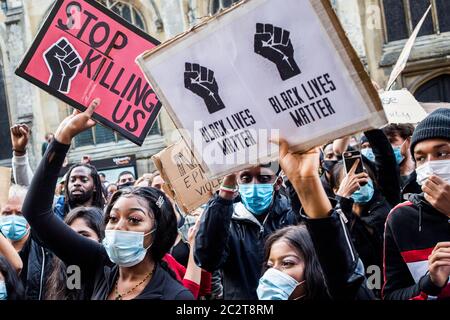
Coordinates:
(119,295)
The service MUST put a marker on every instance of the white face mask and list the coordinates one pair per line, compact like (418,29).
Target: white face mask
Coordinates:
(440,168)
(276,285)
(125,248)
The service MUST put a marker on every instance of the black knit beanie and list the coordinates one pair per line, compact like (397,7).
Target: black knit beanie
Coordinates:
(436,125)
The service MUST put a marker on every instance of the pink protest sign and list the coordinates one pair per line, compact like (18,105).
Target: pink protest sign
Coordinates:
(84,51)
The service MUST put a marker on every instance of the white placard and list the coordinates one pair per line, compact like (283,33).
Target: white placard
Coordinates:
(264,65)
(400,106)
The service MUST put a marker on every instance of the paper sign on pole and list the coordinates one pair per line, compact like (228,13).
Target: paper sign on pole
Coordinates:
(400,106)
(185,181)
(262,65)
(404,55)
(5,184)
(84,51)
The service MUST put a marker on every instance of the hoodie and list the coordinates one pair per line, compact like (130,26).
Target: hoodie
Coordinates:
(413,229)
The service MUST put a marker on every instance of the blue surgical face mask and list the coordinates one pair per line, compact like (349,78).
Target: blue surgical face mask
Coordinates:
(256,197)
(276,285)
(398,154)
(13,227)
(368,153)
(3,293)
(364,194)
(125,248)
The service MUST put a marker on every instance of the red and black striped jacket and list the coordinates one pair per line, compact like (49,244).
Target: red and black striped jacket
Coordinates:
(413,229)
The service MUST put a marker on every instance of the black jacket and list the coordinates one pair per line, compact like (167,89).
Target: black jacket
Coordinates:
(410,187)
(74,249)
(231,239)
(367,230)
(413,229)
(37,262)
(343,271)
(385,166)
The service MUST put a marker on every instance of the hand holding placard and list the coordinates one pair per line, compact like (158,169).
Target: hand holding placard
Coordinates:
(328,93)
(201,81)
(63,61)
(302,170)
(274,44)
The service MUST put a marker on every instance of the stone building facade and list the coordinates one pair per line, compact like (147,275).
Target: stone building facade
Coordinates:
(378,29)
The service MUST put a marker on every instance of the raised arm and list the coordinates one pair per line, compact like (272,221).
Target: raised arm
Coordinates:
(341,145)
(22,173)
(388,172)
(68,245)
(8,251)
(211,241)
(328,232)
(302,171)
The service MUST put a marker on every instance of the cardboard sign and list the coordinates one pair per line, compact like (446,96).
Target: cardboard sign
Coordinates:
(185,181)
(5,184)
(400,106)
(84,51)
(261,65)
(404,55)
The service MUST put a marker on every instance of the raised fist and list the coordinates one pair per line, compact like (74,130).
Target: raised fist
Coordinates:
(274,44)
(201,81)
(20,134)
(63,61)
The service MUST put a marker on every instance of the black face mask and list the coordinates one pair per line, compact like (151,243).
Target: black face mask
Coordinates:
(125,185)
(328,165)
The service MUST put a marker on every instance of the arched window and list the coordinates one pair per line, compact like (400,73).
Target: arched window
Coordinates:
(126,11)
(216,5)
(434,90)
(100,134)
(402,16)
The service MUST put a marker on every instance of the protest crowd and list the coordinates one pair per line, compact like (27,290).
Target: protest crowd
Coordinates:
(308,230)
(364,216)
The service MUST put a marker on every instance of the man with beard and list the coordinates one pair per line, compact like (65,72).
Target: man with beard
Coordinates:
(80,188)
(83,187)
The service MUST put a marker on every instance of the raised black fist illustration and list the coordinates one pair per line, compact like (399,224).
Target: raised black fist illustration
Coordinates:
(274,44)
(201,81)
(63,61)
